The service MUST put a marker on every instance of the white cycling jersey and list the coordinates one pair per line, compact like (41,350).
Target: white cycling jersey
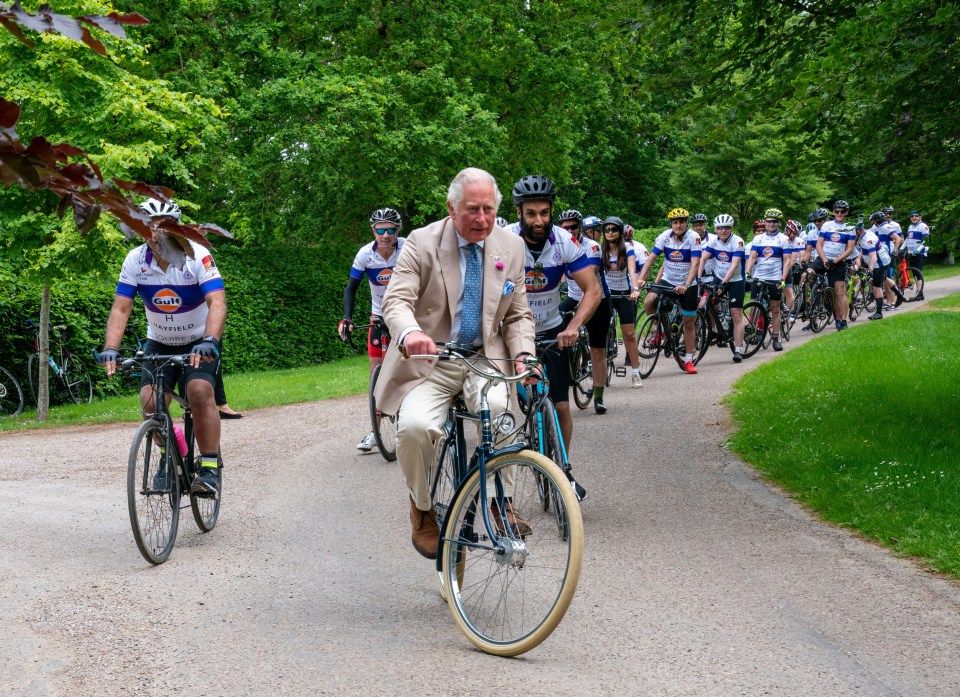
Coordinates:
(175,299)
(616,277)
(870,242)
(917,236)
(678,255)
(377,270)
(592,250)
(640,253)
(710,265)
(770,250)
(561,256)
(835,238)
(811,241)
(724,254)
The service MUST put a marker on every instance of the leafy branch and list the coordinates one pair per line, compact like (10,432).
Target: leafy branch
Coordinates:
(13,17)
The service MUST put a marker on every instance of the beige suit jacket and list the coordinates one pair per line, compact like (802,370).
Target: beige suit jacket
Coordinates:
(424,290)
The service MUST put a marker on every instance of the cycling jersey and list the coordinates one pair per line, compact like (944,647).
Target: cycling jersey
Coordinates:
(896,227)
(616,277)
(770,248)
(870,242)
(710,264)
(811,241)
(678,255)
(377,269)
(797,245)
(917,236)
(641,254)
(560,256)
(724,254)
(592,250)
(884,232)
(835,238)
(175,299)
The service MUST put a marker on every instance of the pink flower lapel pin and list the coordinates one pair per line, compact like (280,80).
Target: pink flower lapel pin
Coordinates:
(498,264)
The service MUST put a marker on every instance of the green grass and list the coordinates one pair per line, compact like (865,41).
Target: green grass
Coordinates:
(244,391)
(947,302)
(932,272)
(862,427)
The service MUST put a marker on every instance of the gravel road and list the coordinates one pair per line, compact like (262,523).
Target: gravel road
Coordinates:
(699,578)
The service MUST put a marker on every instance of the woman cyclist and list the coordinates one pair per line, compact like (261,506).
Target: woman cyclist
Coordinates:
(620,271)
(726,250)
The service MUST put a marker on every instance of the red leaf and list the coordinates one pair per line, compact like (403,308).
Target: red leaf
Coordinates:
(131,20)
(9,113)
(85,216)
(67,26)
(215,229)
(64,204)
(112,23)
(160,192)
(27,20)
(12,27)
(93,43)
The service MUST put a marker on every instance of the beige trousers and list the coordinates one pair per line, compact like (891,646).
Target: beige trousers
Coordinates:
(421,416)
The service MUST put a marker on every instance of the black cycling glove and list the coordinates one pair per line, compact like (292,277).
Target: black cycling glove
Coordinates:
(208,348)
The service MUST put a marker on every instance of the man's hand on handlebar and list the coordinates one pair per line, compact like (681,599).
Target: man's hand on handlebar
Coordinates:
(568,337)
(520,365)
(108,359)
(344,329)
(416,343)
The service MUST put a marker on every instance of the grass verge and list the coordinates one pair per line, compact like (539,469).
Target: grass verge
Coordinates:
(862,427)
(244,391)
(951,301)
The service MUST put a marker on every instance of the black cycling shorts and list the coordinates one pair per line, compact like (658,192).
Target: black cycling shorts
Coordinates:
(772,293)
(878,275)
(690,300)
(736,290)
(625,308)
(599,323)
(173,375)
(556,363)
(835,275)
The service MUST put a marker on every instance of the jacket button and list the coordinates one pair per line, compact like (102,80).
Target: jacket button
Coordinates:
(429,310)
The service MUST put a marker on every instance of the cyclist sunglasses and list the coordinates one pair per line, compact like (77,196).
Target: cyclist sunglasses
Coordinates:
(611,228)
(386,231)
(571,228)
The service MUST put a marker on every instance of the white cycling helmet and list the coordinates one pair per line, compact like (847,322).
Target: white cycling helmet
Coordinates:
(723,220)
(501,222)
(157,209)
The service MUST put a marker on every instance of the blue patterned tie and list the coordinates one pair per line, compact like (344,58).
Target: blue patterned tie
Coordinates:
(470,317)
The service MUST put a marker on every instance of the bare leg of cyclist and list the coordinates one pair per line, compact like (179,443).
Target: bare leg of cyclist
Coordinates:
(206,420)
(566,422)
(630,343)
(841,308)
(689,336)
(736,316)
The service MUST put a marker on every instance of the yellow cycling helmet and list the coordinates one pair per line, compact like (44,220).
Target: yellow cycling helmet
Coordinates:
(773,214)
(678,213)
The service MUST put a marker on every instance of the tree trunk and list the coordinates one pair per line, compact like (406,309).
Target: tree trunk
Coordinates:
(948,260)
(43,394)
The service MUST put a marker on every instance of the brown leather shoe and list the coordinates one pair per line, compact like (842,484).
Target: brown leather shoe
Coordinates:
(426,532)
(518,526)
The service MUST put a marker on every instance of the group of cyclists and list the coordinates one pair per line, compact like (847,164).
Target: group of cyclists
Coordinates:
(603,268)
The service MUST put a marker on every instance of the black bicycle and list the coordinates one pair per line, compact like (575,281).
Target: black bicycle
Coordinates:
(758,319)
(716,315)
(11,395)
(159,469)
(663,331)
(67,380)
(581,368)
(384,426)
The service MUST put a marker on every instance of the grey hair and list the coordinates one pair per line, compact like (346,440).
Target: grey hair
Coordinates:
(470,175)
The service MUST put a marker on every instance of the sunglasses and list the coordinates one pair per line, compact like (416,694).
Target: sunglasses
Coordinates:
(840,210)
(571,228)
(386,231)
(608,230)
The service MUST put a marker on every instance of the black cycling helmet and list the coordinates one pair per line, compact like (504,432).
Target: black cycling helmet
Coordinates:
(614,220)
(810,218)
(887,210)
(878,217)
(571,214)
(699,218)
(841,204)
(386,215)
(821,214)
(534,187)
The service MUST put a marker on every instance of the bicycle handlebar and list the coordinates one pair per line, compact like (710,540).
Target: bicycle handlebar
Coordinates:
(451,352)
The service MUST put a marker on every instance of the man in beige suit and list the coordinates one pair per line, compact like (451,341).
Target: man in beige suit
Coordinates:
(445,273)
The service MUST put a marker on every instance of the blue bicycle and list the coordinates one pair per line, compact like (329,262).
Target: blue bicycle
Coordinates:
(506,575)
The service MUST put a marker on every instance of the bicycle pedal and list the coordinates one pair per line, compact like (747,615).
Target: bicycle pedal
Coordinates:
(621,372)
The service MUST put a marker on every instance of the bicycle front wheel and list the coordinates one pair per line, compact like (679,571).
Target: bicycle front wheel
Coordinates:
(77,381)
(11,396)
(581,370)
(153,493)
(206,509)
(822,311)
(384,425)
(649,339)
(701,339)
(508,596)
(755,327)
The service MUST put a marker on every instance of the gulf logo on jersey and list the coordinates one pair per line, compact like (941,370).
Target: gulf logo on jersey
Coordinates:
(723,257)
(167,300)
(675,255)
(835,237)
(767,251)
(534,281)
(383,276)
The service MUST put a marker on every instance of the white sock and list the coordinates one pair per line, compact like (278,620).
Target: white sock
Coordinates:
(636,371)
(738,349)
(688,358)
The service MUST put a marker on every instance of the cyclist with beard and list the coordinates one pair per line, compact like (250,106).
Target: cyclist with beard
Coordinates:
(597,325)
(681,250)
(552,254)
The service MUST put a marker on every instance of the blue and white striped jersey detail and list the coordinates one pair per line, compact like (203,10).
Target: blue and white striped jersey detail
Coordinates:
(870,242)
(811,241)
(710,265)
(678,255)
(175,299)
(592,250)
(724,254)
(884,234)
(770,250)
(835,237)
(560,257)
(616,277)
(378,270)
(917,235)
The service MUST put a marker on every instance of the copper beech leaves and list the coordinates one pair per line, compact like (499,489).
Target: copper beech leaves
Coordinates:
(13,17)
(43,165)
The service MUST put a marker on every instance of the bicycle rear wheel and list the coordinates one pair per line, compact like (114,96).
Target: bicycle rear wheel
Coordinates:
(153,493)
(384,425)
(508,596)
(581,370)
(33,379)
(755,327)
(11,395)
(822,311)
(701,340)
(77,380)
(611,349)
(552,448)
(649,339)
